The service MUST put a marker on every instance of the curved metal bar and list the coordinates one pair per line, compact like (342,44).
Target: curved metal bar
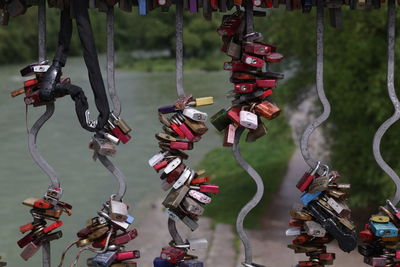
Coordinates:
(304,142)
(112,91)
(117,174)
(32,137)
(253,202)
(393,97)
(174,232)
(179,48)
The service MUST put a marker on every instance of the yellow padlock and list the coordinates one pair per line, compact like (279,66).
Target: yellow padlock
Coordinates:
(204,101)
(380,219)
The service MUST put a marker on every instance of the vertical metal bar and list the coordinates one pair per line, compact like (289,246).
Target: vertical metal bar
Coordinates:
(179,48)
(42,29)
(111,63)
(305,138)
(46,254)
(249,16)
(393,97)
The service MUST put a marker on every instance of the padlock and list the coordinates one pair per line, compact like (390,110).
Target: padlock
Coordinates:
(102,147)
(26,240)
(274,57)
(314,229)
(187,133)
(127,255)
(336,194)
(174,175)
(30,250)
(158,262)
(230,23)
(370,250)
(266,83)
(125,237)
(192,207)
(172,254)
(244,88)
(258,49)
(396,212)
(117,132)
(254,135)
(318,185)
(98,233)
(120,123)
(202,101)
(191,263)
(267,110)
(163,137)
(375,261)
(301,239)
(167,109)
(339,207)
(181,145)
(42,204)
(194,244)
(160,165)
(129,263)
(157,158)
(233,50)
(307,178)
(229,137)
(179,215)
(104,259)
(253,61)
(175,127)
(384,229)
(198,128)
(293,231)
(300,215)
(239,66)
(172,165)
(202,198)
(52,227)
(255,37)
(366,236)
(207,188)
(234,114)
(118,211)
(201,180)
(175,197)
(187,174)
(248,119)
(195,114)
(50,237)
(307,197)
(220,120)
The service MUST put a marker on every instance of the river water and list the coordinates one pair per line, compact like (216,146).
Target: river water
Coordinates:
(87,184)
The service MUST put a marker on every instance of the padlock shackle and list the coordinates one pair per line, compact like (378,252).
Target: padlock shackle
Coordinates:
(305,138)
(393,97)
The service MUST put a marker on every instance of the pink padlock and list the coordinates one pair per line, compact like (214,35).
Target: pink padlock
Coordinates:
(397,254)
(127,255)
(207,188)
(188,133)
(181,145)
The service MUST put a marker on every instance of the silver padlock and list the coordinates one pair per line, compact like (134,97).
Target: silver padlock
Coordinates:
(195,114)
(314,229)
(194,244)
(248,119)
(157,158)
(192,207)
(293,231)
(173,165)
(120,225)
(199,196)
(175,197)
(102,147)
(118,211)
(185,176)
(339,207)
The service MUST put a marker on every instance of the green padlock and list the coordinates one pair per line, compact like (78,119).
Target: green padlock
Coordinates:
(220,120)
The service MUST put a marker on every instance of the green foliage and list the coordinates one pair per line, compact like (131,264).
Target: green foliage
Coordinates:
(355,83)
(269,156)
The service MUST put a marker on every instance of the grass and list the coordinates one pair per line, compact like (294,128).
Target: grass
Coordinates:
(268,155)
(210,63)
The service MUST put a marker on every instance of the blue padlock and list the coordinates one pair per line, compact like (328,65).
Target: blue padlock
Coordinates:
(307,197)
(104,259)
(158,262)
(142,7)
(384,229)
(191,263)
(130,219)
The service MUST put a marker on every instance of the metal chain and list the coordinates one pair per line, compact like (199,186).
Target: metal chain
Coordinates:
(112,91)
(304,142)
(393,97)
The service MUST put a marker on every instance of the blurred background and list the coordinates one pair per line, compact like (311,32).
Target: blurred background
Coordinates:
(355,83)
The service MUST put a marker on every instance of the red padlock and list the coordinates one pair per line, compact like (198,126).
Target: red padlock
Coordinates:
(234,115)
(176,129)
(257,49)
(172,254)
(127,255)
(366,236)
(274,57)
(42,204)
(209,188)
(52,226)
(301,239)
(124,138)
(25,228)
(327,256)
(181,145)
(307,178)
(266,94)
(266,83)
(244,87)
(253,61)
(161,165)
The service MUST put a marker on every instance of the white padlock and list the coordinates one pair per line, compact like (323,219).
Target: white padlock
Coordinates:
(248,120)
(157,158)
(199,196)
(195,114)
(187,173)
(172,165)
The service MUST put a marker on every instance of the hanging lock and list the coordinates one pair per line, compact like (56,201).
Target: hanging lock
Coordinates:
(157,158)
(220,120)
(104,259)
(248,119)
(187,133)
(172,254)
(102,147)
(186,176)
(118,211)
(191,263)
(174,175)
(267,110)
(158,262)
(266,83)
(314,229)
(236,66)
(120,123)
(203,198)
(259,49)
(116,131)
(253,61)
(175,197)
(172,165)
(30,250)
(254,135)
(242,88)
(195,114)
(230,24)
(229,137)
(125,237)
(207,188)
(194,244)
(307,178)
(340,208)
(127,255)
(192,207)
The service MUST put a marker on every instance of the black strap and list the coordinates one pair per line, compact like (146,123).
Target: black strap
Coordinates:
(85,32)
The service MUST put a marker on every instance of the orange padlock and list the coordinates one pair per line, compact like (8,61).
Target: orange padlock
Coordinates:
(267,110)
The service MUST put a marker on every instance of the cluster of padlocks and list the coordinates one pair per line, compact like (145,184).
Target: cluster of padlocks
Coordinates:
(107,234)
(183,125)
(47,208)
(380,237)
(253,82)
(322,217)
